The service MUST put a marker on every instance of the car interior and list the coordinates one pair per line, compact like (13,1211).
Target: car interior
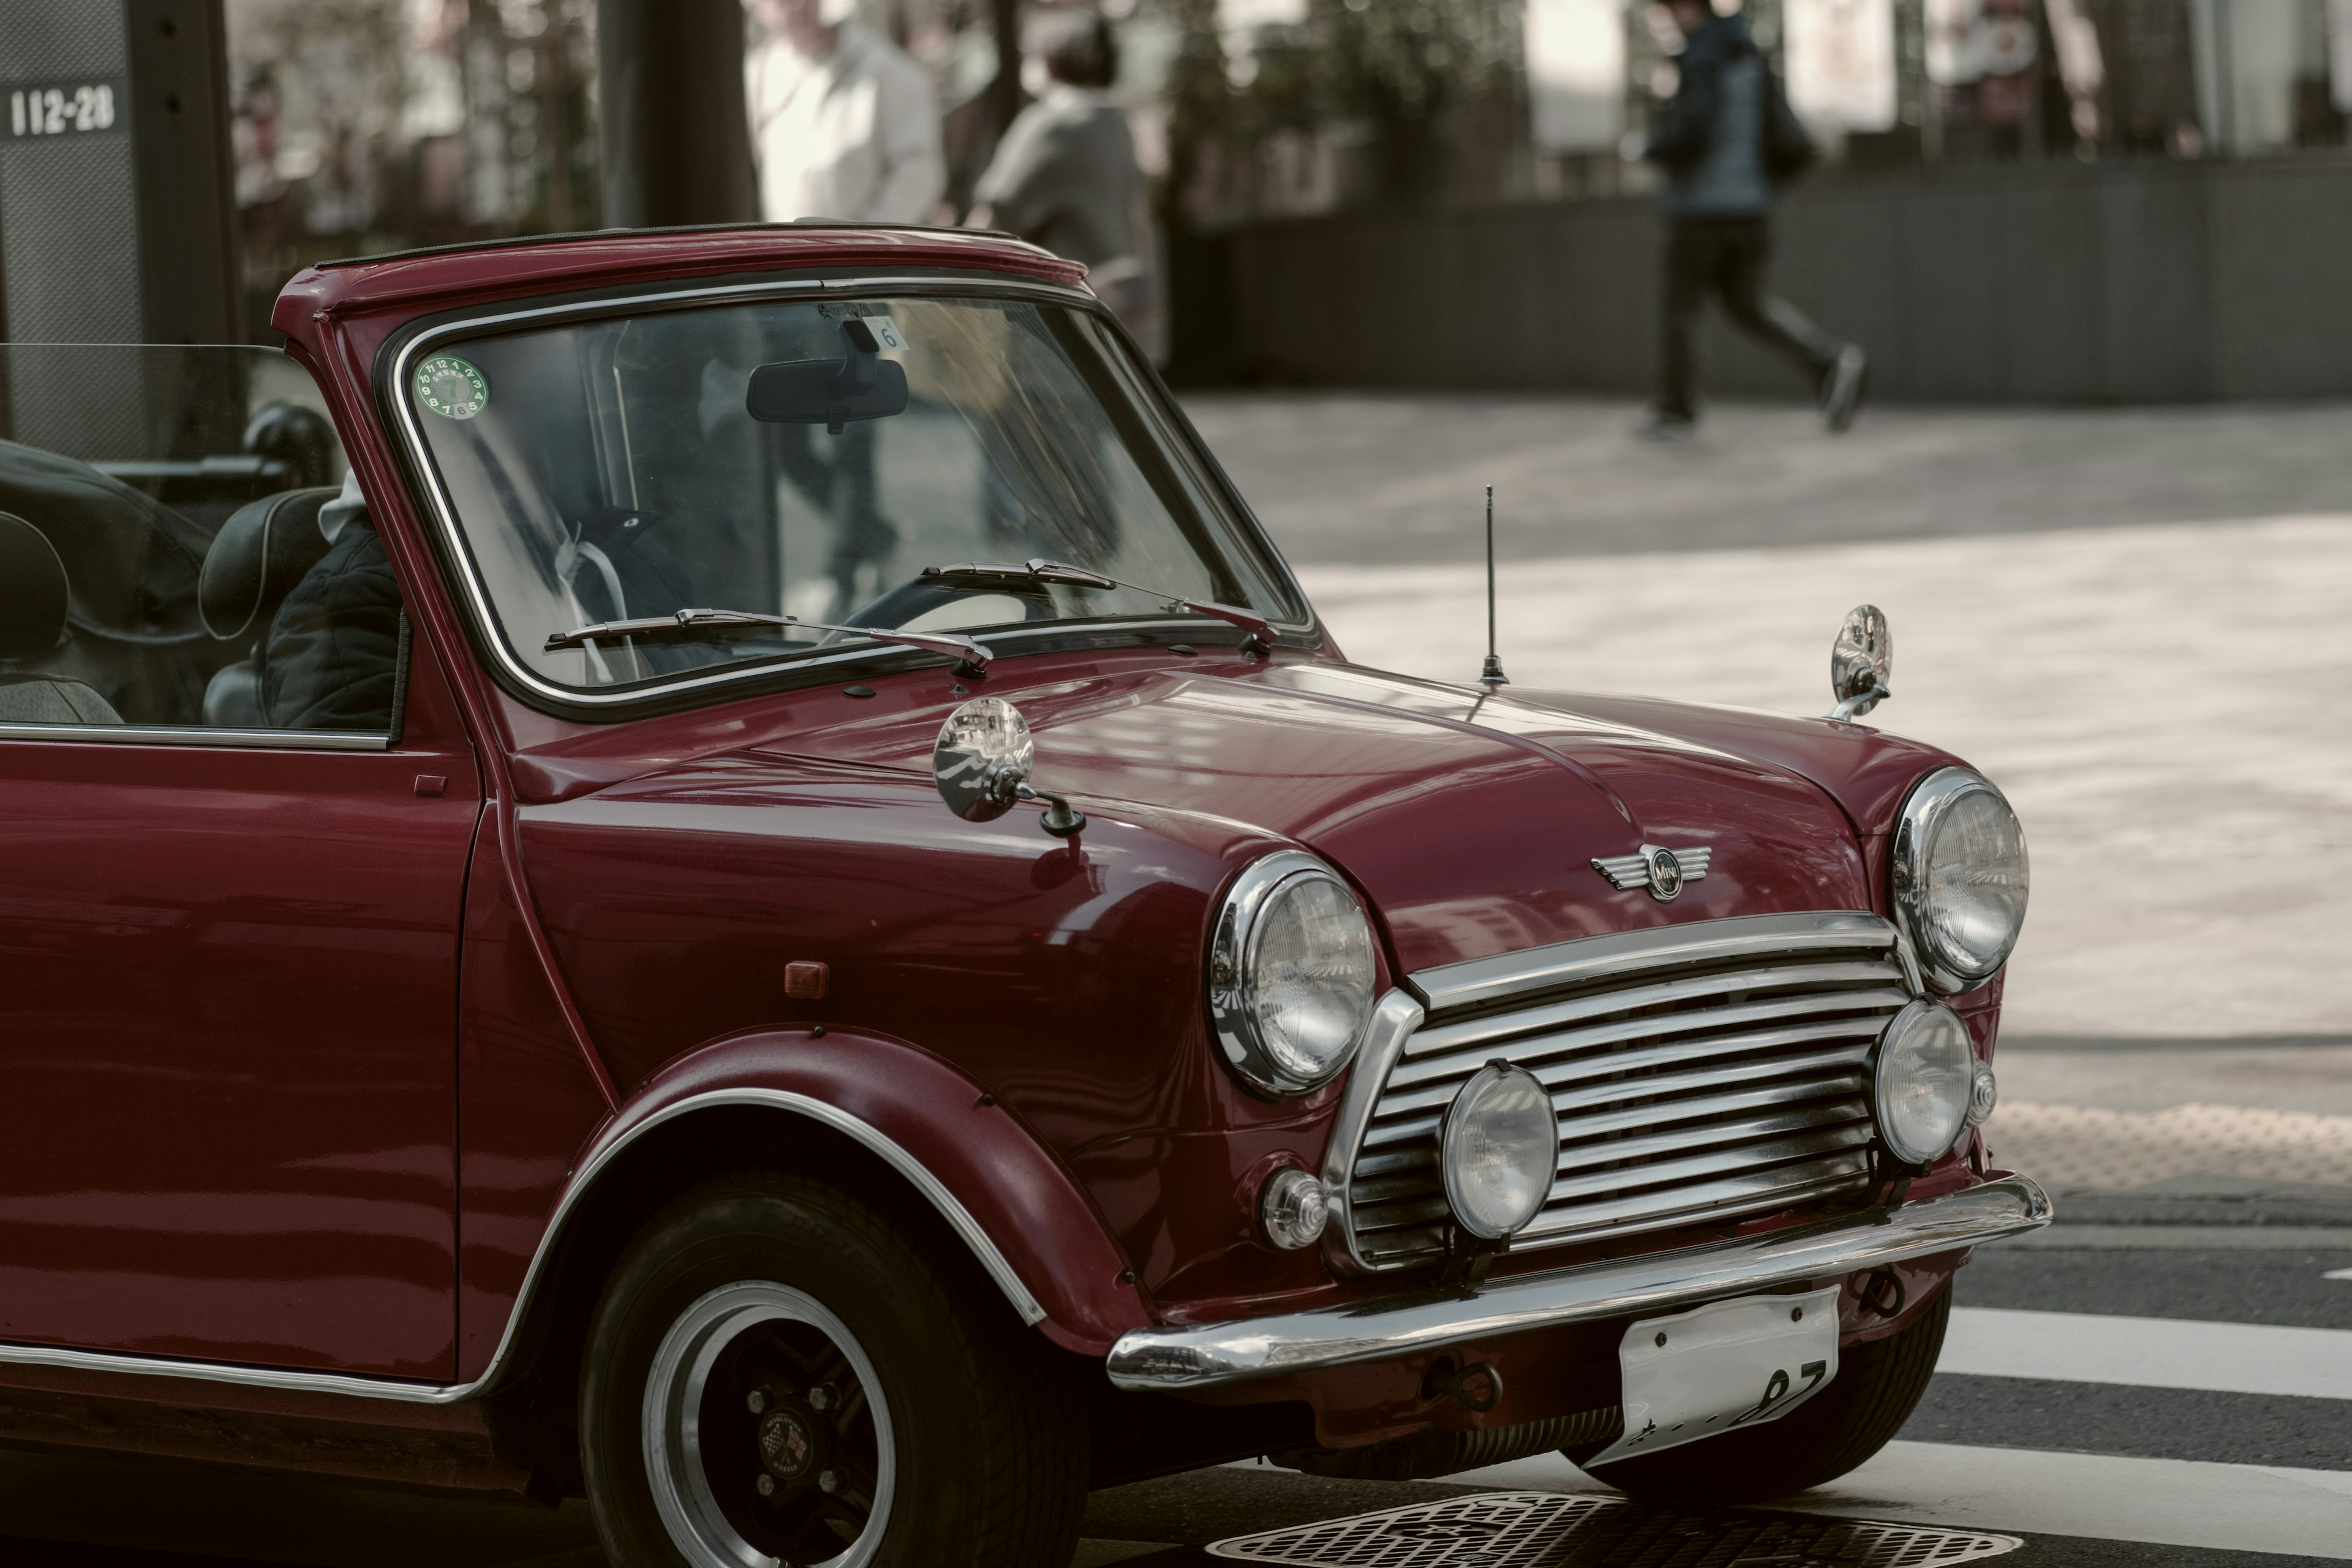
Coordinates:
(118,607)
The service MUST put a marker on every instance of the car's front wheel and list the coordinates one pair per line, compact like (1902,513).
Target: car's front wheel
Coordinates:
(1877,1385)
(778,1373)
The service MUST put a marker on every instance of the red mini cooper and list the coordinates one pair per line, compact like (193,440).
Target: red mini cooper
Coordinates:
(719,870)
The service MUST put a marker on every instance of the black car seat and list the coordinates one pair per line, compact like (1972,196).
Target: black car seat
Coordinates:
(260,553)
(33,599)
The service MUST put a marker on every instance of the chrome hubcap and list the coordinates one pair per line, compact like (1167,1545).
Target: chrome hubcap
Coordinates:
(767,1439)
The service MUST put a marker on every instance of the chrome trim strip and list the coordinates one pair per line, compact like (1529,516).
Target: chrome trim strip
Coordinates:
(1394,1018)
(1807,979)
(1214,1354)
(1594,958)
(175,735)
(957,1217)
(444,516)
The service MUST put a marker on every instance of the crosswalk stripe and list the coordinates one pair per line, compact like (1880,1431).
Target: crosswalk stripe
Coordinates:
(2149,1352)
(2168,1502)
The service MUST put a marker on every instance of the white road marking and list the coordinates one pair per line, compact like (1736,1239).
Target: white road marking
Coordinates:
(2149,1352)
(2338,1274)
(2170,1502)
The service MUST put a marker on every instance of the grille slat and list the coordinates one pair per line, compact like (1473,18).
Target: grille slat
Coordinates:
(1404,1098)
(1712,1134)
(1567,1101)
(1697,1072)
(1815,978)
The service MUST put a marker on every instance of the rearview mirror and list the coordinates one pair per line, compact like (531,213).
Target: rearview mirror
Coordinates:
(980,763)
(1860,661)
(830,392)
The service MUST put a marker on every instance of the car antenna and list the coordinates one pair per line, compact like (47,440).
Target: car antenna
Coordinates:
(1492,675)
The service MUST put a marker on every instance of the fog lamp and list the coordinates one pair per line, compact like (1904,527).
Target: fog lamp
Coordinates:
(1923,1081)
(1291,1209)
(1498,1148)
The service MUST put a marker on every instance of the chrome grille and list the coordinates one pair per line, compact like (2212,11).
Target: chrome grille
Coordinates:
(1700,1071)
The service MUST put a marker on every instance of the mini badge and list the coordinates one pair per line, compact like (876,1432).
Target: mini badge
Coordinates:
(452,387)
(1661,871)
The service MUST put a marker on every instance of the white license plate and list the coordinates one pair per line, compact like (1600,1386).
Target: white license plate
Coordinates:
(1722,1366)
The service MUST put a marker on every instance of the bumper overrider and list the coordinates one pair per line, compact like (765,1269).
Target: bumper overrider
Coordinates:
(1209,1355)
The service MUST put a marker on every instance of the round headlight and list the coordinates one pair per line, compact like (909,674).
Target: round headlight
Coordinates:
(1960,877)
(1290,974)
(1499,1149)
(1923,1081)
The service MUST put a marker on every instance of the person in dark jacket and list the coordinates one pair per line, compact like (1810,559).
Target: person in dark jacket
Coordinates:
(1727,142)
(332,657)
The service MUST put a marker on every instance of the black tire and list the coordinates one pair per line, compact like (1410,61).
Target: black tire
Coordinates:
(974,1452)
(1877,1388)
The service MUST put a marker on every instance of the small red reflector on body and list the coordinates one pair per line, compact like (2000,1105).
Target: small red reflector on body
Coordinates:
(805,981)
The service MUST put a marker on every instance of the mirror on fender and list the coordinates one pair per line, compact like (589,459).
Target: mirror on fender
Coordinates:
(831,392)
(1861,660)
(981,763)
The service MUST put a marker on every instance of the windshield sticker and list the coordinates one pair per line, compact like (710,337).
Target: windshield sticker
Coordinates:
(885,331)
(452,387)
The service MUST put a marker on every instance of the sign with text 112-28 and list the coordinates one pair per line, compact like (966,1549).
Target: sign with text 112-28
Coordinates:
(69,109)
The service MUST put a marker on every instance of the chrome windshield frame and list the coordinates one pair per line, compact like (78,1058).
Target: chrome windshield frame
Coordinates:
(695,687)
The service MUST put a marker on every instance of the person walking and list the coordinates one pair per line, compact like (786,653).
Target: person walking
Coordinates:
(843,125)
(1064,177)
(1727,141)
(846,127)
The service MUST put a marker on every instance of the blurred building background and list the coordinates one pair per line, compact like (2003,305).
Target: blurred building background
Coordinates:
(2087,199)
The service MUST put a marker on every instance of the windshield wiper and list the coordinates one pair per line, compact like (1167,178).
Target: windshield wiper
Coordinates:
(971,659)
(1260,641)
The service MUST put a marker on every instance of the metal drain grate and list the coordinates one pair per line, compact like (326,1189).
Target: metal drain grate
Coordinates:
(1551,1530)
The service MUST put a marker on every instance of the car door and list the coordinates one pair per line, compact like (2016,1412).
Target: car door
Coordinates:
(235,806)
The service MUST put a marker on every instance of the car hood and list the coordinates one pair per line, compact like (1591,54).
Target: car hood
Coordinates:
(1471,822)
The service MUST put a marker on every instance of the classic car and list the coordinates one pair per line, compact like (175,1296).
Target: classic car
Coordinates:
(719,870)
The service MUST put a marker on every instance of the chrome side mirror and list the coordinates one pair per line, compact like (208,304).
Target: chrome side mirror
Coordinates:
(1861,660)
(981,763)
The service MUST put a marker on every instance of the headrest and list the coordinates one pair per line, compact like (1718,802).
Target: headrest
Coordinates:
(32,590)
(256,559)
(297,437)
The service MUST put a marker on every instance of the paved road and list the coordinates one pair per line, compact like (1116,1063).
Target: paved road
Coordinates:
(1396,480)
(2214,1431)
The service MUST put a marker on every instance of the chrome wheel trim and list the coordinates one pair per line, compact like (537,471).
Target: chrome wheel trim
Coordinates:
(674,1386)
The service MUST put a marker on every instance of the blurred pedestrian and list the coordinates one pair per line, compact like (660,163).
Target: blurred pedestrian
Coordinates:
(1064,177)
(842,124)
(1728,140)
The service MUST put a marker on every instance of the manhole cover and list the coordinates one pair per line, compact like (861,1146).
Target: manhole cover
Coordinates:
(1550,1530)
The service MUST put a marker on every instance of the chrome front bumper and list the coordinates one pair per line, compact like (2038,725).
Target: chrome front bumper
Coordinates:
(1205,1356)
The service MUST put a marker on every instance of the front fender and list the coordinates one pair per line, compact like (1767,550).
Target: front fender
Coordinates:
(1026,1220)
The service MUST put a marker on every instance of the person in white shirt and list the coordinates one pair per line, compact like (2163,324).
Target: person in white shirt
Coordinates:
(842,124)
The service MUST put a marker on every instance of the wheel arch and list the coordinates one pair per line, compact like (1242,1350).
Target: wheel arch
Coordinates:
(890,1122)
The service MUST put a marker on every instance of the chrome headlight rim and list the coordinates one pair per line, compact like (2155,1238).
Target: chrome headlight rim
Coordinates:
(1233,947)
(1915,1013)
(1924,810)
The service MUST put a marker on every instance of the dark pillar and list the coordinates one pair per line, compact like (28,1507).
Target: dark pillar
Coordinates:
(677,149)
(117,220)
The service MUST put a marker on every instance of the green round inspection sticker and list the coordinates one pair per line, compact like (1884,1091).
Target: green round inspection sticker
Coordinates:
(451,387)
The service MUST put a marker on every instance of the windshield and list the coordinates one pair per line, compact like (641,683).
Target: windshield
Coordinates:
(806,458)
